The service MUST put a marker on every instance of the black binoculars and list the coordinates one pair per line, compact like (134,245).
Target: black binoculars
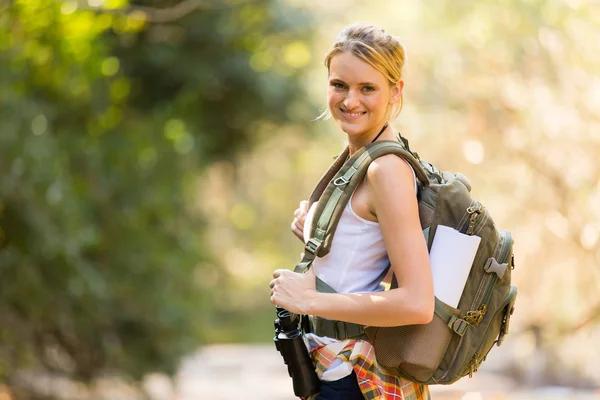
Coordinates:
(290,343)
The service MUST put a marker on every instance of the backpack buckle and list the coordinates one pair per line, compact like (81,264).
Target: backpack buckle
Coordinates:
(313,246)
(340,329)
(458,325)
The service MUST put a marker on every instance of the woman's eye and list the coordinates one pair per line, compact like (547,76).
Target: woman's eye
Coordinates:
(338,85)
(368,88)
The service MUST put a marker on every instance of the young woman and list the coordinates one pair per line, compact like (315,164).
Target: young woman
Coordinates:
(380,225)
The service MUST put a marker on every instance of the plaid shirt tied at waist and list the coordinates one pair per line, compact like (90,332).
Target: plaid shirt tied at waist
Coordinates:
(374,381)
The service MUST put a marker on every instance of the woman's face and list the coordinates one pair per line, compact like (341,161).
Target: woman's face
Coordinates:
(359,96)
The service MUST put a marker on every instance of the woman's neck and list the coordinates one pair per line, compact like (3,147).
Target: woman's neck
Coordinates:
(356,143)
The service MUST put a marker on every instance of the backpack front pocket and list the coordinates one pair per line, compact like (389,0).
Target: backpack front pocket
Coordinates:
(417,350)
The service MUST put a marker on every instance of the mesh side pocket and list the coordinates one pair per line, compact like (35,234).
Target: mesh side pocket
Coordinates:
(415,350)
(425,215)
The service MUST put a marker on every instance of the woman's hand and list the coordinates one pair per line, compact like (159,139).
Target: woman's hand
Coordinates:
(299,219)
(293,291)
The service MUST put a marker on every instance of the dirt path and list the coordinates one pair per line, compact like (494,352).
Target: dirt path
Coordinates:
(253,372)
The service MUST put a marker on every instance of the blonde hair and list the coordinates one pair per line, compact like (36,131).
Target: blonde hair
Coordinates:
(381,50)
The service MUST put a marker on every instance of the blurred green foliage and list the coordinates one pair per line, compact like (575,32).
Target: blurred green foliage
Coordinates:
(107,117)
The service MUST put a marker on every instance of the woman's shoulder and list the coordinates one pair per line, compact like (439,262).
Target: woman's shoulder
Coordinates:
(390,169)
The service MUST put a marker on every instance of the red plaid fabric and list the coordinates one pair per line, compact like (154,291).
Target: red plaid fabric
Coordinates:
(374,381)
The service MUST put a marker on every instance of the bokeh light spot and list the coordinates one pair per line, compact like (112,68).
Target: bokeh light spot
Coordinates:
(114,4)
(119,89)
(558,224)
(589,236)
(147,158)
(68,7)
(473,151)
(296,55)
(110,66)
(184,143)
(261,61)
(174,128)
(39,125)
(136,21)
(176,132)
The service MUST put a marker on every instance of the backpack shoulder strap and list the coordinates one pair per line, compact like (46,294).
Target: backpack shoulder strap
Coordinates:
(334,196)
(340,188)
(328,176)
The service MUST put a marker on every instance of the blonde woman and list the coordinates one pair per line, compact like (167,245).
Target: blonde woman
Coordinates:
(380,225)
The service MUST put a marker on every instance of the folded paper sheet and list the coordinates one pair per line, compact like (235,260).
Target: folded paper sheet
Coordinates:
(452,254)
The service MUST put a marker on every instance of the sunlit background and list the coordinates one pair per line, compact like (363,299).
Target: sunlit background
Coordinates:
(152,153)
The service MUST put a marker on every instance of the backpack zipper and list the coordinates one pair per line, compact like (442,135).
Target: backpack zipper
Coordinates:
(474,363)
(477,215)
(478,308)
(476,218)
(482,297)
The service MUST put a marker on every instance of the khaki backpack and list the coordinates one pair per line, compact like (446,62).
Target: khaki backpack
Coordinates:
(457,340)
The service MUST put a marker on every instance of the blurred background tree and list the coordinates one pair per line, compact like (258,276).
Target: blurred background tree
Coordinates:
(109,112)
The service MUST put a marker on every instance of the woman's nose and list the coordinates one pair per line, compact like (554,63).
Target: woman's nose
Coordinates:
(351,101)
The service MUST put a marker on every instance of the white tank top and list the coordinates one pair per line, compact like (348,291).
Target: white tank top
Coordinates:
(356,262)
(357,259)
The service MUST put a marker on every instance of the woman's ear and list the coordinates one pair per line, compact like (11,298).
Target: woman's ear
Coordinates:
(397,91)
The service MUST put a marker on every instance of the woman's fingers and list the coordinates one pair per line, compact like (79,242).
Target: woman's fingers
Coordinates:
(298,213)
(298,229)
(301,211)
(291,290)
(297,225)
(304,206)
(278,272)
(299,219)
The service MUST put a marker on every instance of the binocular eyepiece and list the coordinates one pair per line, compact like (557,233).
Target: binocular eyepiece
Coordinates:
(290,343)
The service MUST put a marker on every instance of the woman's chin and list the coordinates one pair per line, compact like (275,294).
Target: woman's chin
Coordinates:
(351,128)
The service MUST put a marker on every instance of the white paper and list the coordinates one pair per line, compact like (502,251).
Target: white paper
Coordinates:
(452,254)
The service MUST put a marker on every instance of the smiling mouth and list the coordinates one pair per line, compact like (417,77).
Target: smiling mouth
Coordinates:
(352,115)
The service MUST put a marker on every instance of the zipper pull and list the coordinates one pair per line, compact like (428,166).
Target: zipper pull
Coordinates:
(475,317)
(474,364)
(474,212)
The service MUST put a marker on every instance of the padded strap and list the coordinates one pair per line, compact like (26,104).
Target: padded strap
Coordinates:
(345,330)
(333,329)
(337,194)
(336,329)
(332,199)
(328,176)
